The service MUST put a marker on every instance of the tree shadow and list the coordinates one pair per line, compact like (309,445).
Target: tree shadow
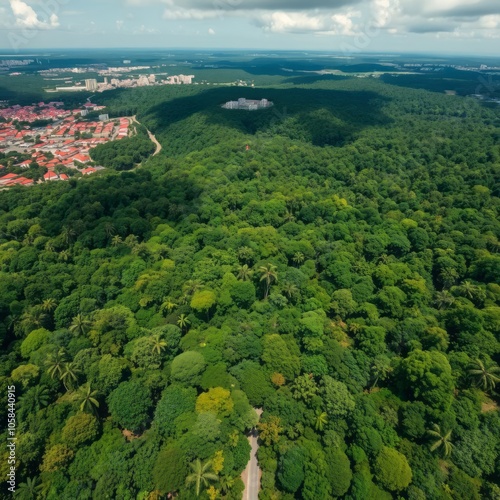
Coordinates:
(461,82)
(269,66)
(323,116)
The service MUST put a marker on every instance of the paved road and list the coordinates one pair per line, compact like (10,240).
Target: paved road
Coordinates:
(151,137)
(155,140)
(253,485)
(252,473)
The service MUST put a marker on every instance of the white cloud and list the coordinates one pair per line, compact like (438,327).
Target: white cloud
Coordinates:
(211,31)
(174,13)
(285,22)
(26,17)
(143,30)
(384,11)
(119,25)
(304,22)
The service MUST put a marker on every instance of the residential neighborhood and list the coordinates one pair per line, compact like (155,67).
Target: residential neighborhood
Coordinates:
(54,140)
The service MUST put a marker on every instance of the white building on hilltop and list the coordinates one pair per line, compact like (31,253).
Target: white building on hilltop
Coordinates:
(180,80)
(248,104)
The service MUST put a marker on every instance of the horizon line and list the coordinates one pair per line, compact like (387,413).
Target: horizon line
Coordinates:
(19,52)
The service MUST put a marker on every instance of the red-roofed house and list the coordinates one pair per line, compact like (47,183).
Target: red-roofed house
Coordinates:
(7,178)
(21,181)
(51,176)
(81,158)
(88,171)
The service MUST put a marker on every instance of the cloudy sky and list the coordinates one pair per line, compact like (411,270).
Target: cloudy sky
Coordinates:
(440,26)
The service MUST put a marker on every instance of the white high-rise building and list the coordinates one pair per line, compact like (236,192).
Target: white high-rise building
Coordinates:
(91,85)
(143,81)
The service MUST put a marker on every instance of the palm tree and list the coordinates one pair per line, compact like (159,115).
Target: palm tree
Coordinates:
(28,490)
(442,440)
(245,273)
(168,304)
(245,253)
(290,289)
(472,292)
(444,299)
(200,475)
(80,325)
(225,484)
(68,234)
(33,318)
(109,229)
(191,287)
(467,289)
(269,275)
(355,328)
(320,420)
(131,240)
(116,240)
(12,321)
(48,305)
(484,375)
(158,345)
(87,399)
(289,217)
(64,256)
(449,276)
(35,399)
(298,258)
(183,321)
(380,369)
(55,363)
(69,376)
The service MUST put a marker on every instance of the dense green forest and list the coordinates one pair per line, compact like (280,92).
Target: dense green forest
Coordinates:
(342,273)
(125,153)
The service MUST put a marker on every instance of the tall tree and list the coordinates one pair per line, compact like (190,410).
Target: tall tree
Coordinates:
(168,304)
(87,399)
(201,474)
(484,375)
(245,273)
(55,363)
(320,420)
(298,258)
(441,440)
(444,299)
(48,305)
(35,399)
(116,241)
(68,234)
(290,289)
(29,490)
(33,318)
(157,344)
(69,376)
(269,275)
(183,322)
(80,325)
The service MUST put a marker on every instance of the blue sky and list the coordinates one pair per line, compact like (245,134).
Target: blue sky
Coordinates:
(441,26)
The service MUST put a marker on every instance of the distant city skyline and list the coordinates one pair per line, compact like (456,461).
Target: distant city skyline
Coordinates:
(353,26)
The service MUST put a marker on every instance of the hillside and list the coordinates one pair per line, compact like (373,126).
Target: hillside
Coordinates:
(342,274)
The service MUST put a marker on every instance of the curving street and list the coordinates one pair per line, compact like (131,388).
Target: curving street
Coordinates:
(251,475)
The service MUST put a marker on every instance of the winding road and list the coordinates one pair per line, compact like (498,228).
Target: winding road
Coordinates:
(251,475)
(152,137)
